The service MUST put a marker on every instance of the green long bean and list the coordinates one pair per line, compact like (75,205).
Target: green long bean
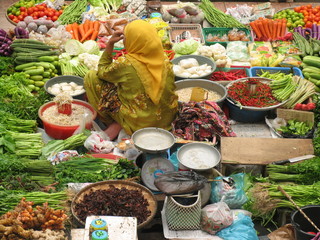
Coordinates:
(73,12)
(218,18)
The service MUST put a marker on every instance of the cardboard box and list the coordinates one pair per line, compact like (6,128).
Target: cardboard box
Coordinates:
(302,116)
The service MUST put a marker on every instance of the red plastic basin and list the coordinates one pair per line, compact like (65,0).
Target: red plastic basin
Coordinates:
(63,132)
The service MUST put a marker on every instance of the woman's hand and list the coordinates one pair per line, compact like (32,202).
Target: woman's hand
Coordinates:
(116,37)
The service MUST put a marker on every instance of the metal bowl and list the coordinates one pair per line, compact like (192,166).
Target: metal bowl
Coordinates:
(153,140)
(198,156)
(206,84)
(201,60)
(262,79)
(66,78)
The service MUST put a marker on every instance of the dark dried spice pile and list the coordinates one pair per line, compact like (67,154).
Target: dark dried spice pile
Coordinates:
(114,202)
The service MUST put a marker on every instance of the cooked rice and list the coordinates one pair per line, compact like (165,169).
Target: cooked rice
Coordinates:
(51,115)
(184,95)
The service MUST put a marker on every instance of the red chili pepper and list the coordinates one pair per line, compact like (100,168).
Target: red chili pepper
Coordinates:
(228,76)
(65,108)
(240,92)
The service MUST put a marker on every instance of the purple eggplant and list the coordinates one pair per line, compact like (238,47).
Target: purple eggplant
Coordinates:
(3,32)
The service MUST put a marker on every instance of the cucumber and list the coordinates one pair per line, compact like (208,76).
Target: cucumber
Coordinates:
(46,74)
(29,50)
(20,60)
(23,66)
(38,71)
(48,58)
(30,45)
(36,54)
(31,41)
(44,64)
(39,83)
(36,77)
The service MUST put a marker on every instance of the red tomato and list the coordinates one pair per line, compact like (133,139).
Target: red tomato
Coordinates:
(50,14)
(30,10)
(22,9)
(317,19)
(11,16)
(48,18)
(54,18)
(303,7)
(20,17)
(46,12)
(60,11)
(57,13)
(44,5)
(36,14)
(36,9)
(41,14)
(25,14)
(308,25)
(41,8)
(35,17)
(16,20)
(297,9)
(309,6)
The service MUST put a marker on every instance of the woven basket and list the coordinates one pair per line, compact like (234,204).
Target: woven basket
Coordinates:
(183,217)
(104,185)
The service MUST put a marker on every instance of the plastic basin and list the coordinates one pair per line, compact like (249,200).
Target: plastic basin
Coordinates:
(62,132)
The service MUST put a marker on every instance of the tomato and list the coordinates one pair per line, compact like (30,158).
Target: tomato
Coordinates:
(50,14)
(317,19)
(46,12)
(22,9)
(20,17)
(57,13)
(25,14)
(16,20)
(54,18)
(41,14)
(43,5)
(48,18)
(30,10)
(308,25)
(297,9)
(11,16)
(60,11)
(309,6)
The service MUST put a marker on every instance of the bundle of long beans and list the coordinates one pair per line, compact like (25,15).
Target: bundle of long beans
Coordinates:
(218,18)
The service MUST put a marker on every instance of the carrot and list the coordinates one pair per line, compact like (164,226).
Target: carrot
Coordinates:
(279,25)
(261,28)
(75,31)
(96,25)
(81,30)
(283,29)
(86,25)
(69,28)
(256,29)
(270,25)
(94,35)
(87,34)
(266,26)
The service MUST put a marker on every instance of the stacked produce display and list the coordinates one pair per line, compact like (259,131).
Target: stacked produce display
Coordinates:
(241,48)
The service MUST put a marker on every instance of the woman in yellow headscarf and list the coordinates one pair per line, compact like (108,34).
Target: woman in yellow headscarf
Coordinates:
(136,90)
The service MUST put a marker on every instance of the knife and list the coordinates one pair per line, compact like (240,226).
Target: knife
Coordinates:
(295,159)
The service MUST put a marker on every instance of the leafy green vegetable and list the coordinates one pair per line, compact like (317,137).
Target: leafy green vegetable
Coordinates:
(6,65)
(91,47)
(186,47)
(306,172)
(73,47)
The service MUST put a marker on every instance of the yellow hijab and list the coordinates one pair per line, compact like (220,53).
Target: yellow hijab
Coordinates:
(145,52)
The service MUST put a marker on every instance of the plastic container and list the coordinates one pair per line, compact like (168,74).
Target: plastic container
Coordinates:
(68,79)
(245,116)
(63,132)
(225,82)
(201,60)
(220,32)
(177,29)
(255,71)
(301,224)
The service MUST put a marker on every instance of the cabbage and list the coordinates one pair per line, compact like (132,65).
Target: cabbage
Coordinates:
(73,47)
(91,47)
(186,47)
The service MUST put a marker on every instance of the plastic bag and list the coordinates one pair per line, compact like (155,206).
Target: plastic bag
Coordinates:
(242,228)
(180,182)
(231,189)
(238,51)
(215,217)
(98,141)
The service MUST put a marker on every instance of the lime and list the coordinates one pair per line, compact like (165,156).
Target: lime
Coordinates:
(17,5)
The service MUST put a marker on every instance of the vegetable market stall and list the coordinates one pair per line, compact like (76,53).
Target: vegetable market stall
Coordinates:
(49,40)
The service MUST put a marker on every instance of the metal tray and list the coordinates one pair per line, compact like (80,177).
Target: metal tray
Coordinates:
(153,140)
(198,156)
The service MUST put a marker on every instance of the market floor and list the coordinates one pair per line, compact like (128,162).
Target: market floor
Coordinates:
(155,230)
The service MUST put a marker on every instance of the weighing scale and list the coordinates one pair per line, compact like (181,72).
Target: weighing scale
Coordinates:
(155,144)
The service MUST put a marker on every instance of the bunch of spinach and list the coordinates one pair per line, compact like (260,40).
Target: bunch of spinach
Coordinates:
(6,65)
(16,98)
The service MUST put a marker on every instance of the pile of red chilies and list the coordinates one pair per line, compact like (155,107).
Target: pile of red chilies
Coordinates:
(228,76)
